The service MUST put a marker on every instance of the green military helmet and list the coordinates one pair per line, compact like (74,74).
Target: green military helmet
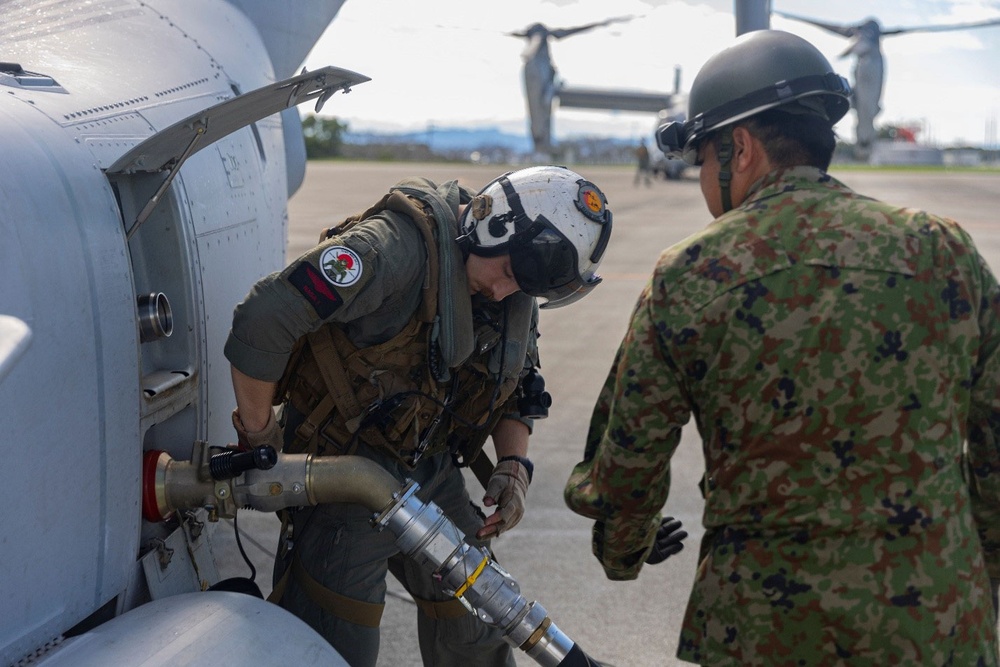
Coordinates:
(762,70)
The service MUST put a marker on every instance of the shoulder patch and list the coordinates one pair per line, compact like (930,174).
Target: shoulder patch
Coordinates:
(310,282)
(341,265)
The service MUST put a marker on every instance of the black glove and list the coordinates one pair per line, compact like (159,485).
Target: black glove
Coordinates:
(668,541)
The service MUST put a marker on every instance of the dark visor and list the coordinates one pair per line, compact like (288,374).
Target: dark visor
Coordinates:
(543,260)
(545,264)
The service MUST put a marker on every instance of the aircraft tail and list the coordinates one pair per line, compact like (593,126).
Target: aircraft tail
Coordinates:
(289,33)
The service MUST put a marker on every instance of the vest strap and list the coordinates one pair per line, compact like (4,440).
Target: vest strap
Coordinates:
(337,382)
(319,414)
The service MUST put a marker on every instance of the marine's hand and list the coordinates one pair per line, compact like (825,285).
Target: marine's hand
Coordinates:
(507,488)
(269,435)
(669,541)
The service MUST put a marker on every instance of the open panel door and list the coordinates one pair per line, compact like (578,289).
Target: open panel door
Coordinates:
(172,145)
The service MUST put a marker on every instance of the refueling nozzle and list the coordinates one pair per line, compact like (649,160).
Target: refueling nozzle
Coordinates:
(269,482)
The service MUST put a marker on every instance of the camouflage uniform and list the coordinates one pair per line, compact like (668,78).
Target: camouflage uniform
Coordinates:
(835,352)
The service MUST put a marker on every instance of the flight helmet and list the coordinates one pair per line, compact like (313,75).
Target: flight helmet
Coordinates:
(554,224)
(764,69)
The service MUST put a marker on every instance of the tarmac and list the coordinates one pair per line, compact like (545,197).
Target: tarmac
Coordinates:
(621,624)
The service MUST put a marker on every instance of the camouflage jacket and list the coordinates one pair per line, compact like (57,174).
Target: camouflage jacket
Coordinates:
(835,352)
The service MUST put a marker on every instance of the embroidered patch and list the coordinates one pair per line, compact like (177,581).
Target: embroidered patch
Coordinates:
(591,202)
(307,279)
(341,266)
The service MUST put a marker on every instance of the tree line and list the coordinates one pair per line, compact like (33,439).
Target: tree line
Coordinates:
(324,136)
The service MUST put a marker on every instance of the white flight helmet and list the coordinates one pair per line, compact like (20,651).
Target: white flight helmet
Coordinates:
(553,223)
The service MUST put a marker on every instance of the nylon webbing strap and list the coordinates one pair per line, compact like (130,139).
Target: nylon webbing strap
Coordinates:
(354,611)
(279,586)
(318,415)
(414,208)
(335,378)
(482,468)
(441,610)
(725,158)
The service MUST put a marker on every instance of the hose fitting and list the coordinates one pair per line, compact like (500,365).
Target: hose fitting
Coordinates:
(422,530)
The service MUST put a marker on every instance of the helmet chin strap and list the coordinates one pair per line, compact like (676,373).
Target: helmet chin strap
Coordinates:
(725,157)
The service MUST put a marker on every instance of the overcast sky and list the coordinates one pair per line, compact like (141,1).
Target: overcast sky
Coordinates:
(451,62)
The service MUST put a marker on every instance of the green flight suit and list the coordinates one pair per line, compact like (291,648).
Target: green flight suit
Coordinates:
(367,281)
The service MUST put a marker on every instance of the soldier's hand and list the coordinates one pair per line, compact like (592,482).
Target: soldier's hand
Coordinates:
(269,435)
(507,488)
(669,541)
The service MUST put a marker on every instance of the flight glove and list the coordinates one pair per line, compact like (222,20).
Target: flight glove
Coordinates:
(269,435)
(507,488)
(668,541)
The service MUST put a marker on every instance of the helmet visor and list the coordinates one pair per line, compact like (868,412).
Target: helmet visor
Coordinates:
(546,265)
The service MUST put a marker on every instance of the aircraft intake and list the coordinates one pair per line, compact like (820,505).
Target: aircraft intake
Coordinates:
(423,532)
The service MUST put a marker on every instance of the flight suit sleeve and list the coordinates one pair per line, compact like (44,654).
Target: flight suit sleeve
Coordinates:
(984,424)
(624,478)
(374,266)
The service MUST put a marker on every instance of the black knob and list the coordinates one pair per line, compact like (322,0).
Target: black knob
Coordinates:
(232,463)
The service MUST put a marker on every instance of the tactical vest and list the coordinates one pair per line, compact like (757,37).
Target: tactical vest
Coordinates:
(412,395)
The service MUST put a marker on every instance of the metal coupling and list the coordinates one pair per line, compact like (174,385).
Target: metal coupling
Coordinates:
(426,535)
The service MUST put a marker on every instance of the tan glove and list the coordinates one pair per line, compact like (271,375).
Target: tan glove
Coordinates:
(269,435)
(507,488)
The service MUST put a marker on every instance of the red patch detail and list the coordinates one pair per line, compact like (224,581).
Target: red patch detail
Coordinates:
(321,296)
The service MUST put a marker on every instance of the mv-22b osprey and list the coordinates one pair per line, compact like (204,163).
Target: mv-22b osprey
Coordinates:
(148,149)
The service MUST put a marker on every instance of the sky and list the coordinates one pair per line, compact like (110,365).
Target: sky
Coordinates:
(452,63)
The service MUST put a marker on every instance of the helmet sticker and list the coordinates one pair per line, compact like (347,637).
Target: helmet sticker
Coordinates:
(341,266)
(481,205)
(591,202)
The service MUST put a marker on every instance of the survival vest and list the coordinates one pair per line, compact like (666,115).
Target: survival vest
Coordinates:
(442,382)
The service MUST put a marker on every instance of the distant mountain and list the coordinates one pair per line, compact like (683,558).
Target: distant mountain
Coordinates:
(447,139)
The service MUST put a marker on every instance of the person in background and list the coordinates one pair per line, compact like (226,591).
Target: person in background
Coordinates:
(643,170)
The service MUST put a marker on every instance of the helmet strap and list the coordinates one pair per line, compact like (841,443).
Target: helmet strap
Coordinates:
(465,245)
(725,157)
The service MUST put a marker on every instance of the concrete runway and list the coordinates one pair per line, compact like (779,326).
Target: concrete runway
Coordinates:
(624,624)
